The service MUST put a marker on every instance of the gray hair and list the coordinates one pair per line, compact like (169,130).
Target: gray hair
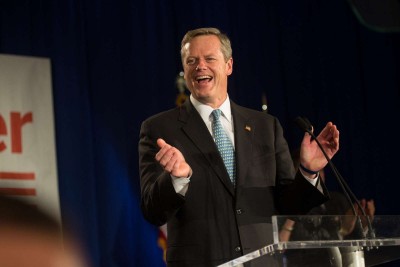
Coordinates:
(226,48)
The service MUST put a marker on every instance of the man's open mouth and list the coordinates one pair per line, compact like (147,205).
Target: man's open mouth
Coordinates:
(203,78)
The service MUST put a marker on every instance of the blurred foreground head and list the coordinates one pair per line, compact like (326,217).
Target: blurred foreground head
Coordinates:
(30,237)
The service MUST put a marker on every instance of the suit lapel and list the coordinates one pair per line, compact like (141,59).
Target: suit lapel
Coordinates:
(244,130)
(197,132)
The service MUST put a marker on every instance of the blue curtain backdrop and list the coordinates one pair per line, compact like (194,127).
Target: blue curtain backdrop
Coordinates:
(114,63)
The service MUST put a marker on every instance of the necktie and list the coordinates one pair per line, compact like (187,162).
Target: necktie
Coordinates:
(224,145)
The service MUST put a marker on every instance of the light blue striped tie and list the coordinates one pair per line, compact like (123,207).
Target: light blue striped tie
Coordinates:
(224,145)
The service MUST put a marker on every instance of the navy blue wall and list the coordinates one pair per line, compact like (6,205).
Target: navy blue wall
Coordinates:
(114,63)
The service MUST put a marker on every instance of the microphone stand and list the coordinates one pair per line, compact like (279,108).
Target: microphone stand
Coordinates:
(306,126)
(350,256)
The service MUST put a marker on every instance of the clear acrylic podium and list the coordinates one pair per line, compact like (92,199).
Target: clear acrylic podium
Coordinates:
(334,240)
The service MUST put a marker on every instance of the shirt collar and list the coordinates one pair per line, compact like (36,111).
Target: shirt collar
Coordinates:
(205,110)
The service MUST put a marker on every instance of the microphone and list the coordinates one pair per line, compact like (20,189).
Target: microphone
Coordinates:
(305,125)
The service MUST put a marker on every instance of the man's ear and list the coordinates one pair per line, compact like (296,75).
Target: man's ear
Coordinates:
(229,66)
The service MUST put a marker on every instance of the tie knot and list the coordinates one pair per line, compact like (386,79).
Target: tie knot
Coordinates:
(216,113)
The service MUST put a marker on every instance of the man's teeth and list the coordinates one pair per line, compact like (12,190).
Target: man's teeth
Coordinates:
(204,77)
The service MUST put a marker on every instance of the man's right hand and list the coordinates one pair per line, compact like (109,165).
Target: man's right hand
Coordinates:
(172,160)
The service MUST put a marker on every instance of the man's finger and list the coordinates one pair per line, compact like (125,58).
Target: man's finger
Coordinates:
(161,143)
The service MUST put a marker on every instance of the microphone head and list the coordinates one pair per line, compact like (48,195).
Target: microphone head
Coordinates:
(303,123)
(308,122)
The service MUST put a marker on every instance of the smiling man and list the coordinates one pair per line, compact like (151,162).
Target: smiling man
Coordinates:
(216,172)
(206,69)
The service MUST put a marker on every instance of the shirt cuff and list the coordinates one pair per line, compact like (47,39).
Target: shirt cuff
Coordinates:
(181,185)
(313,181)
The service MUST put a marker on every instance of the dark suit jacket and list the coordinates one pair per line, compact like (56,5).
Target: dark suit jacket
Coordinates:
(215,222)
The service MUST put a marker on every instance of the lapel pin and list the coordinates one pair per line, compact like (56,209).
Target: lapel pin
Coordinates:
(247,128)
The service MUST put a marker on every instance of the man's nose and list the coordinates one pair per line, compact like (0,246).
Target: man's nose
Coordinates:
(201,65)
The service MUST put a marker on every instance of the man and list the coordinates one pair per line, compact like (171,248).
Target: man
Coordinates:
(216,213)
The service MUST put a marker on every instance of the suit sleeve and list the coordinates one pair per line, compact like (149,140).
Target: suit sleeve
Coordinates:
(159,201)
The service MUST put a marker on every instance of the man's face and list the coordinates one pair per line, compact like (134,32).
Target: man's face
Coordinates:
(206,72)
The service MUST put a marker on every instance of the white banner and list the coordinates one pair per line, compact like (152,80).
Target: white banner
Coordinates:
(27,142)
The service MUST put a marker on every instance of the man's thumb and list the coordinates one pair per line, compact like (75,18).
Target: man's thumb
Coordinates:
(307,138)
(161,142)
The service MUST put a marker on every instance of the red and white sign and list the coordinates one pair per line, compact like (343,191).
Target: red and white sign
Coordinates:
(27,142)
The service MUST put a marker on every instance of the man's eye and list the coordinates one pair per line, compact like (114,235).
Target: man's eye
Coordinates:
(210,59)
(190,61)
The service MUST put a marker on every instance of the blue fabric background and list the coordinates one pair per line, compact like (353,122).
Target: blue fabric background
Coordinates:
(114,63)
